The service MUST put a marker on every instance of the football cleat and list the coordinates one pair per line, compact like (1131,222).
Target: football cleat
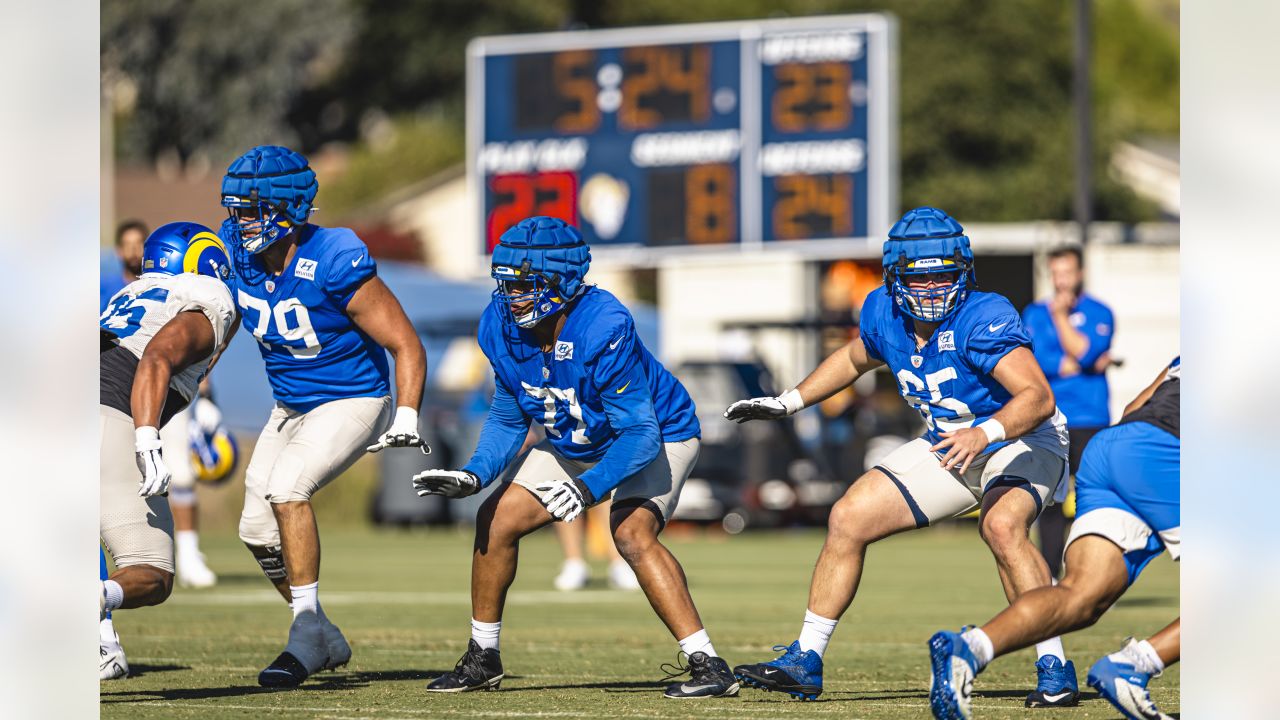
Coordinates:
(573,576)
(795,673)
(111,662)
(710,677)
(1117,680)
(194,573)
(306,654)
(622,577)
(339,650)
(1056,684)
(479,669)
(951,682)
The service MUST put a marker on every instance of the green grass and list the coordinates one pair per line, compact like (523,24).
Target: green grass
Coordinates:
(402,600)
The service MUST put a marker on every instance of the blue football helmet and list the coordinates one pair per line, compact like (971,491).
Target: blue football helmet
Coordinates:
(268,192)
(927,241)
(547,253)
(180,247)
(213,455)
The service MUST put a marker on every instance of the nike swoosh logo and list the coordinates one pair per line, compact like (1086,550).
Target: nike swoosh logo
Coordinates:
(1056,698)
(356,261)
(993,327)
(614,344)
(624,387)
(695,688)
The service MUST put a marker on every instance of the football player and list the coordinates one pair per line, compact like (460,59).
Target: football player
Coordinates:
(324,322)
(159,335)
(566,354)
(994,439)
(1128,497)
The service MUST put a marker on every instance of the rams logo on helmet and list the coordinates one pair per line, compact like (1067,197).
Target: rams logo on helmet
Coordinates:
(213,455)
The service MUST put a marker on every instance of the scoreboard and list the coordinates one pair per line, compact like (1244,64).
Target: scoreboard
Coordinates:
(744,134)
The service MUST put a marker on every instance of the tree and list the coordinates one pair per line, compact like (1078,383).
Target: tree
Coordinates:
(211,77)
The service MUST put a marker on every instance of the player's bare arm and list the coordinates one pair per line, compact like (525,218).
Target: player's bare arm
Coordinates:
(186,339)
(837,372)
(1032,403)
(834,374)
(1145,395)
(375,310)
(204,384)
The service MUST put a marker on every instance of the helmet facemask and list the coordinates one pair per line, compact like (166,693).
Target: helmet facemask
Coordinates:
(930,304)
(535,294)
(257,223)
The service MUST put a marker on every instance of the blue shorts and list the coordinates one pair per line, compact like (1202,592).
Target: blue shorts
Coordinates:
(1128,491)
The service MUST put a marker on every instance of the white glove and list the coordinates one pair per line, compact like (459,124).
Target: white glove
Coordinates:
(402,433)
(449,483)
(207,416)
(155,476)
(766,408)
(562,499)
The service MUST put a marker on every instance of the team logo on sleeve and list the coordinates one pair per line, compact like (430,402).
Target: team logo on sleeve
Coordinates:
(305,269)
(564,351)
(947,340)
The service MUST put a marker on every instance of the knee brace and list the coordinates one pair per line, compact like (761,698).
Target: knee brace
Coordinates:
(271,560)
(182,496)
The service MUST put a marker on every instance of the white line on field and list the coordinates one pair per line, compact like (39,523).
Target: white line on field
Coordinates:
(407,597)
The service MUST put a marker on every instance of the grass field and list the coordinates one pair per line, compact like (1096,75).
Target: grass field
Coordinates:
(402,598)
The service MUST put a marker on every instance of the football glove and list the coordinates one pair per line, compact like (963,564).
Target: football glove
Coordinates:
(402,433)
(449,483)
(155,475)
(766,408)
(562,499)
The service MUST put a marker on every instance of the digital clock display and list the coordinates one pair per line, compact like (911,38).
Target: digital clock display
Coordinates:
(724,134)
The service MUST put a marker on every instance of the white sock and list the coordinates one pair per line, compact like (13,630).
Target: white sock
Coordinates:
(1147,660)
(1052,646)
(486,634)
(698,642)
(187,543)
(305,597)
(816,632)
(980,644)
(115,594)
(106,630)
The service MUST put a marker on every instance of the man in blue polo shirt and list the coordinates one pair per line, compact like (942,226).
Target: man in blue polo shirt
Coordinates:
(1071,338)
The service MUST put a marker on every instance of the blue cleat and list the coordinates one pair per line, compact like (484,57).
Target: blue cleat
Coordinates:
(1124,687)
(1056,684)
(951,684)
(795,673)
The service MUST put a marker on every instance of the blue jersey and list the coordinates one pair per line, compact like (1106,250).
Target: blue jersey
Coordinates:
(600,394)
(1083,397)
(948,381)
(313,352)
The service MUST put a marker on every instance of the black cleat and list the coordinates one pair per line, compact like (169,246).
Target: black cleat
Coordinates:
(796,673)
(479,669)
(710,677)
(285,671)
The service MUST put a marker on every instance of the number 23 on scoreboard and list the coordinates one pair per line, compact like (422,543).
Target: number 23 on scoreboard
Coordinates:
(520,195)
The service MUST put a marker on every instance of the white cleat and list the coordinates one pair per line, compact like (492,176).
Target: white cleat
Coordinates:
(194,573)
(573,576)
(111,662)
(339,650)
(622,577)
